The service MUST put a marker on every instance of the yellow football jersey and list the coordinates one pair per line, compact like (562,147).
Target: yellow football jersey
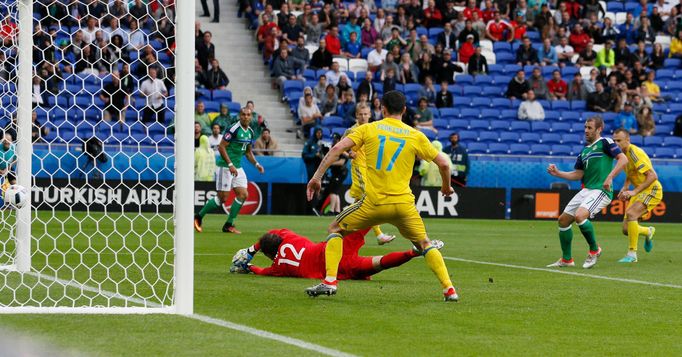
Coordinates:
(390,147)
(638,164)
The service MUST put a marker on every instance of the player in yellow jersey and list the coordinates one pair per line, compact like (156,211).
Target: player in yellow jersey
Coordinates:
(644,197)
(359,169)
(390,148)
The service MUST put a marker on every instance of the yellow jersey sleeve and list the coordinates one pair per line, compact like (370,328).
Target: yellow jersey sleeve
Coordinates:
(423,147)
(643,163)
(358,135)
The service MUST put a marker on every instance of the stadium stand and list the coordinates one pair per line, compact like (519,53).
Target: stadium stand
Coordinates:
(479,105)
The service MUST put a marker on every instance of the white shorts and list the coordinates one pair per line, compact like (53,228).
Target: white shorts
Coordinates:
(589,199)
(225,182)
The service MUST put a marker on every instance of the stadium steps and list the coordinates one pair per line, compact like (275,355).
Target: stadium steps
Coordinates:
(249,79)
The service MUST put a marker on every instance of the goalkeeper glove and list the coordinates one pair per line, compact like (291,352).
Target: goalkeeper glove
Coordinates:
(242,258)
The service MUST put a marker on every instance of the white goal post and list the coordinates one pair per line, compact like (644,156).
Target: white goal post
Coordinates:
(113,239)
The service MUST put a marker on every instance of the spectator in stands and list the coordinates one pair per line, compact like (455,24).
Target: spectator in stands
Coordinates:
(429,171)
(333,74)
(155,91)
(645,32)
(328,16)
(526,54)
(368,33)
(313,30)
(353,47)
(139,11)
(366,86)
(519,26)
(626,119)
(564,52)
(291,30)
(344,85)
(628,30)
(468,30)
(388,77)
(395,41)
(8,157)
(428,91)
(426,68)
(579,39)
(592,81)
(387,28)
(547,55)
(549,31)
(450,14)
(460,161)
(322,59)
(283,15)
(637,104)
(423,117)
(467,49)
(622,52)
(588,56)
(606,56)
(432,15)
(201,117)
(312,155)
(346,107)
(376,109)
(333,41)
(445,69)
(542,18)
(676,45)
(115,99)
(599,101)
(538,84)
(283,70)
(557,86)
(197,134)
(87,63)
(409,73)
(350,27)
(657,57)
(447,38)
(204,160)
(300,55)
(377,56)
(444,97)
(608,32)
(309,114)
(319,89)
(329,101)
(645,122)
(577,89)
(205,50)
(90,30)
(470,9)
(640,54)
(223,119)
(266,145)
(531,109)
(499,30)
(215,77)
(518,86)
(38,131)
(653,88)
(631,83)
(477,64)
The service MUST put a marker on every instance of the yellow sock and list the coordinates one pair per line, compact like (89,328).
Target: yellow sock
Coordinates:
(633,234)
(377,230)
(435,261)
(332,255)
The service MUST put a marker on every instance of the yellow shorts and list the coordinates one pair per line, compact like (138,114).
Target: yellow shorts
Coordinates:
(363,214)
(649,197)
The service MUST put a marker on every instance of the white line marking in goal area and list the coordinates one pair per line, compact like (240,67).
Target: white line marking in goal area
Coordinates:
(271,336)
(565,272)
(206,319)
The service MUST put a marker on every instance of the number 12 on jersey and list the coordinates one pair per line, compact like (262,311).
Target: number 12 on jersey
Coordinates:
(382,144)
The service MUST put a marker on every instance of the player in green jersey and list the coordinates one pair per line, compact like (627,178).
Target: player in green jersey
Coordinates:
(236,143)
(594,167)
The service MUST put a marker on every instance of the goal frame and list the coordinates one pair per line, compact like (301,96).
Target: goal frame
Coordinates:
(183,277)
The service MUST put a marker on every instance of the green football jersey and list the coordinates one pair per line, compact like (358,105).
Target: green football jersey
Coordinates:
(596,161)
(239,139)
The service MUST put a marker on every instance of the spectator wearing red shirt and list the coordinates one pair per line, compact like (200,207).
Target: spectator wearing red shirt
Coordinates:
(579,39)
(557,87)
(467,49)
(573,8)
(499,30)
(333,41)
(8,31)
(489,12)
(519,25)
(432,16)
(470,9)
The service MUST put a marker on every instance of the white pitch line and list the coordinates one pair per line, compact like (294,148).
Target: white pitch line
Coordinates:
(566,272)
(271,336)
(206,319)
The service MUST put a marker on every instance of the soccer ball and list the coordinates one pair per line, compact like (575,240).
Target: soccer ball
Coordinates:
(16,196)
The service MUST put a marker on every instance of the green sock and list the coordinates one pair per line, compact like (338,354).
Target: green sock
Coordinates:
(210,206)
(234,210)
(587,229)
(565,237)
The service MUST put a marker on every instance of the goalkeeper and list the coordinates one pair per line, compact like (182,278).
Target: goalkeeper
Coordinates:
(296,256)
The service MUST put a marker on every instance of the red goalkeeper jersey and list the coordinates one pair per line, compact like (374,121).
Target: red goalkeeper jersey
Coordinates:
(298,257)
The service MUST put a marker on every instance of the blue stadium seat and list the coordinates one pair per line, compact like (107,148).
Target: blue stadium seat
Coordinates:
(568,72)
(530,138)
(509,137)
(498,148)
(435,31)
(667,119)
(488,137)
(502,80)
(665,74)
(664,129)
(504,58)
(519,149)
(213,107)
(653,141)
(468,135)
(678,153)
(552,115)
(578,105)
(551,138)
(470,113)
(477,148)
(674,86)
(540,127)
(561,150)
(480,102)
(430,134)
(614,6)
(464,79)
(445,134)
(664,153)
(222,95)
(461,102)
(440,123)
(673,141)
(572,139)
(472,91)
(577,128)
(455,89)
(479,124)
(520,126)
(576,149)
(672,63)
(501,46)
(548,70)
(449,113)
(499,125)
(560,105)
(333,122)
(509,114)
(636,140)
(310,75)
(540,149)
(483,79)
(491,91)
(511,69)
(490,114)
(501,103)
(458,124)
(570,116)
(495,69)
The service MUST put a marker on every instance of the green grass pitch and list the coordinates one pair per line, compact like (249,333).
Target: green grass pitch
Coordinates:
(503,311)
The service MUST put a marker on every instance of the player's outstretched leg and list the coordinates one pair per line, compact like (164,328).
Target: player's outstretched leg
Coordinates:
(435,261)
(634,230)
(587,229)
(382,238)
(332,255)
(210,206)
(565,238)
(241,195)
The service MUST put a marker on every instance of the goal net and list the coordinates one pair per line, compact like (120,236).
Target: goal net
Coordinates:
(88,91)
